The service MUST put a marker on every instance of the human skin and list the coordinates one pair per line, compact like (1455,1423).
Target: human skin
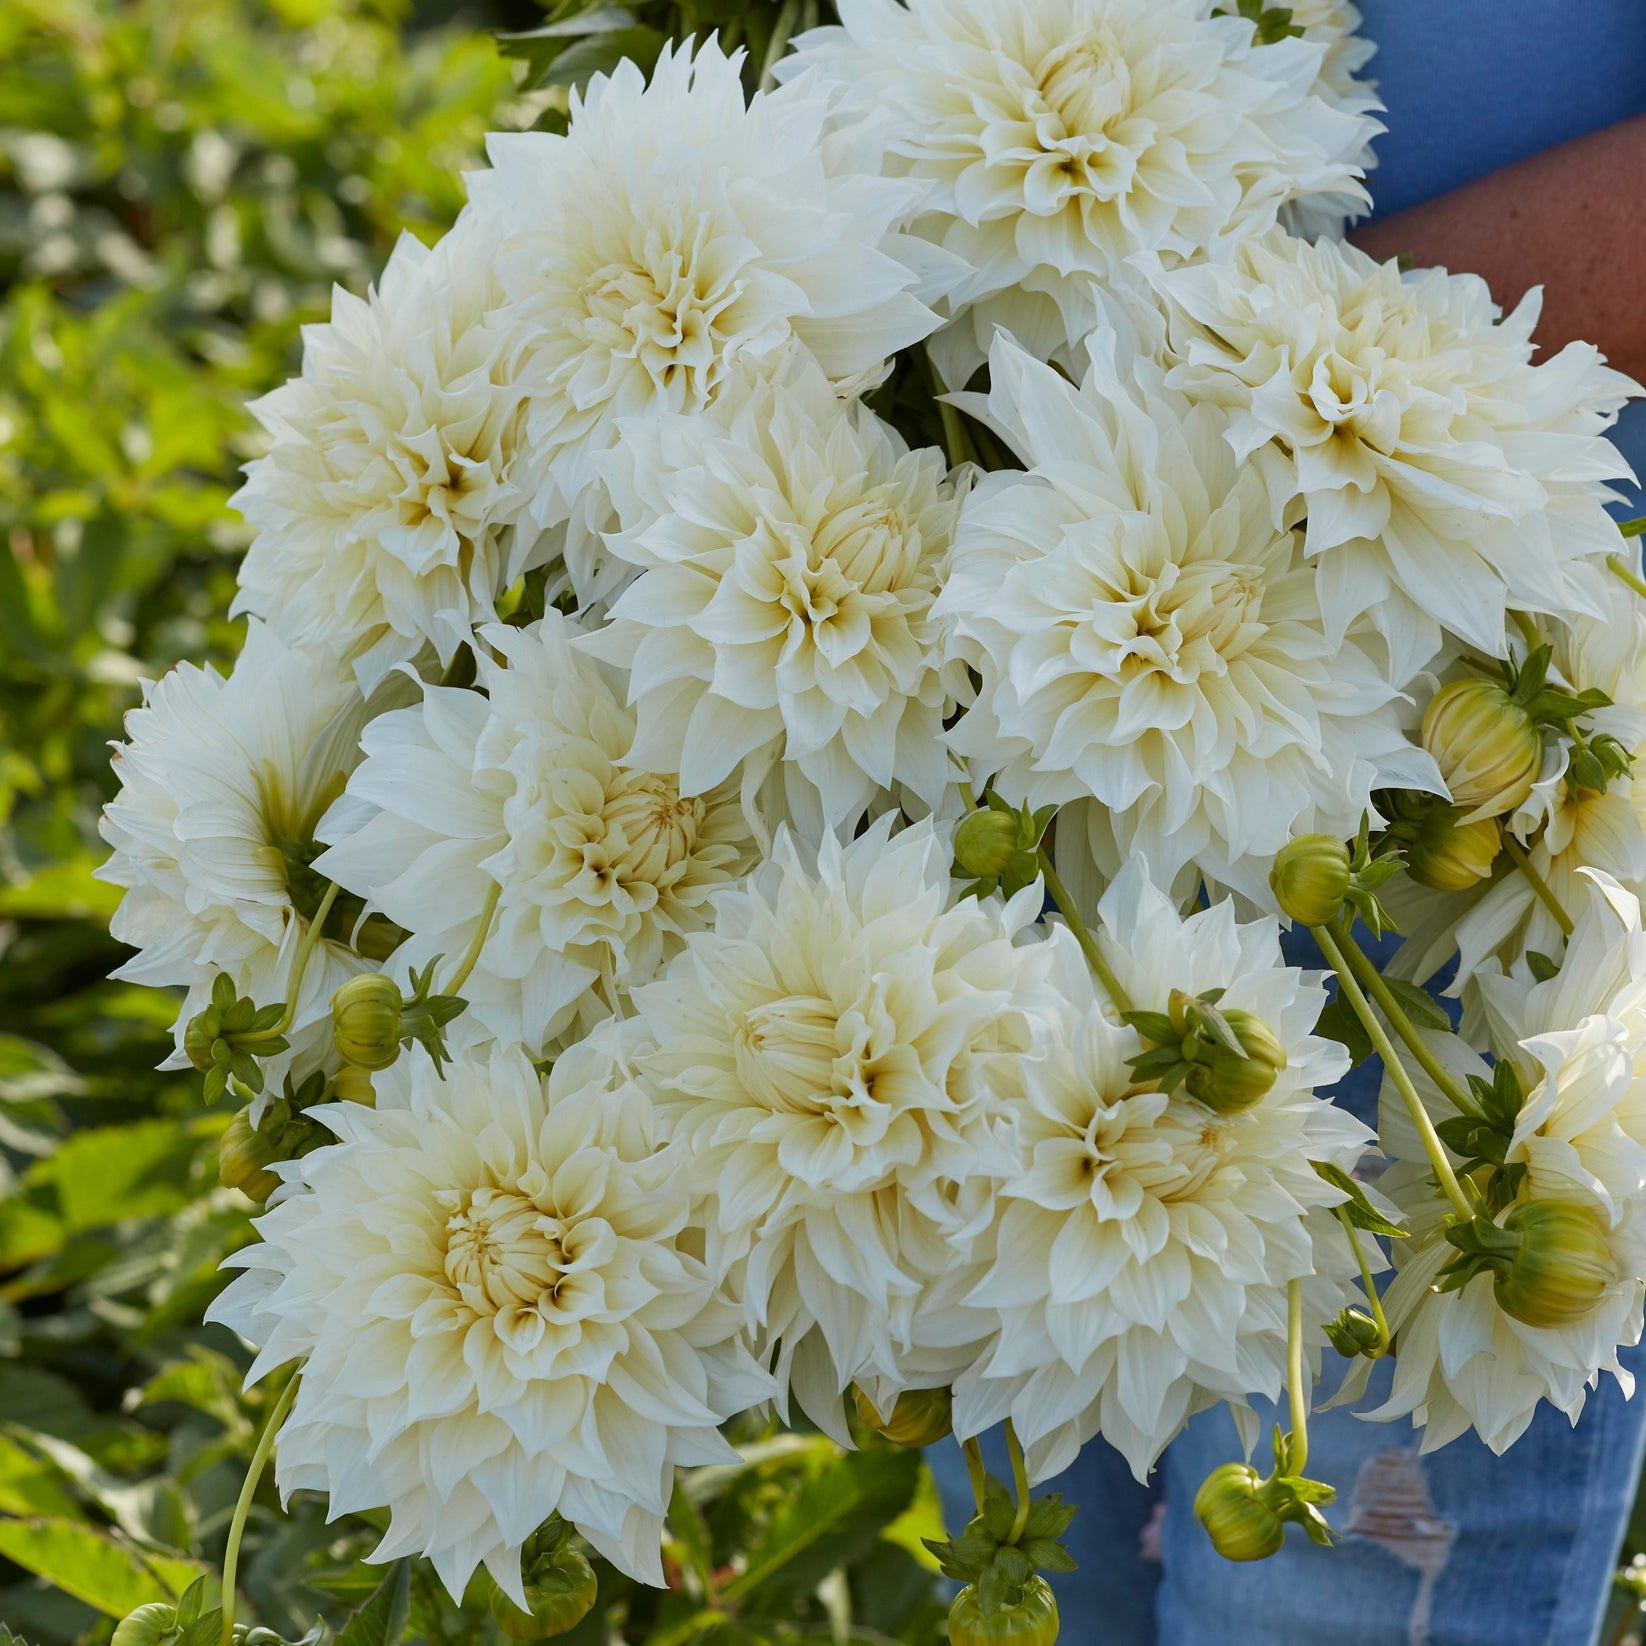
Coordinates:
(1571,219)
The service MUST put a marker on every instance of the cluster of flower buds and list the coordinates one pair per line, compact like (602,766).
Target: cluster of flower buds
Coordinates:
(226,1040)
(192,1623)
(998,1558)
(920,1417)
(560,1586)
(1317,876)
(1224,1059)
(997,846)
(1246,1516)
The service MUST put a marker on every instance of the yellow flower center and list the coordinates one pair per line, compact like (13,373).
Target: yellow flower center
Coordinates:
(502,1252)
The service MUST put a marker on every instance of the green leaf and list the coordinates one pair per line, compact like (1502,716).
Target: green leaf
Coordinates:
(1338,1021)
(92,1567)
(382,1620)
(110,1173)
(839,1513)
(1542,966)
(31,1486)
(1419,1005)
(1357,1208)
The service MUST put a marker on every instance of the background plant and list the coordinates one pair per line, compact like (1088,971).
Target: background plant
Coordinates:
(181,183)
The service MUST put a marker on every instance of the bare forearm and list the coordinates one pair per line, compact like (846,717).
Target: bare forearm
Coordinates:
(1572,219)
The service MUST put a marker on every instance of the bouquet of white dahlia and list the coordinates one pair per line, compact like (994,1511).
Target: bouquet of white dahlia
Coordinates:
(799,664)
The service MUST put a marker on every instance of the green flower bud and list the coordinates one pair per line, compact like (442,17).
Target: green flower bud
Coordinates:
(1227,1084)
(1240,1524)
(145,1626)
(986,842)
(560,1594)
(1031,1622)
(199,1037)
(1561,1267)
(921,1417)
(1487,746)
(244,1155)
(1310,878)
(365,1018)
(1354,1332)
(1451,855)
(352,1084)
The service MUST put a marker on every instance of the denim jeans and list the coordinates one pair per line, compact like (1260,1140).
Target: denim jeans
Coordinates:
(1459,1548)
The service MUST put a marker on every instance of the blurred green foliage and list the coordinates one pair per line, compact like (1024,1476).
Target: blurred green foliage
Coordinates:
(181,183)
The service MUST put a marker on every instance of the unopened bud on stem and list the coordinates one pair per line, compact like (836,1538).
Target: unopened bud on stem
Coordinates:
(244,1155)
(921,1417)
(1486,745)
(1310,878)
(365,1014)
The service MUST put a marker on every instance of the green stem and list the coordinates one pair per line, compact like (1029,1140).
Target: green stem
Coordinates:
(1376,1302)
(1297,1449)
(1528,629)
(779,43)
(1621,570)
(300,965)
(1020,1482)
(482,931)
(1082,935)
(242,1507)
(1384,1048)
(1544,891)
(955,436)
(976,1469)
(1371,980)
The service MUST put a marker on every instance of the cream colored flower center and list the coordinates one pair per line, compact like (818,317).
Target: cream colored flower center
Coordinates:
(1086,83)
(502,1252)
(659,311)
(786,1053)
(1186,621)
(651,830)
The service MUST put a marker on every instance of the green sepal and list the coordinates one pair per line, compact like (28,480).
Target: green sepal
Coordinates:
(1357,1207)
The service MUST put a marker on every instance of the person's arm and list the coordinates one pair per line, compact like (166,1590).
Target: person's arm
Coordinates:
(1571,219)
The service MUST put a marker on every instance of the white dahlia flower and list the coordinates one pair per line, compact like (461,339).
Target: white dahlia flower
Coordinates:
(1148,637)
(839,1055)
(1145,1244)
(388,508)
(1068,142)
(222,784)
(491,1285)
(598,869)
(790,547)
(1578,1044)
(671,231)
(1444,477)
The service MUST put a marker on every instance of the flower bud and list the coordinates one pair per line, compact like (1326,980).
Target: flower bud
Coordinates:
(1240,1524)
(1227,1084)
(921,1417)
(1450,855)
(1354,1332)
(352,1084)
(1562,1267)
(145,1626)
(986,842)
(1486,745)
(244,1155)
(1031,1622)
(1310,877)
(198,1039)
(365,1018)
(560,1595)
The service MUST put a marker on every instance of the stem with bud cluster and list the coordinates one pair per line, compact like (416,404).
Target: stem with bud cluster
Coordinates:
(1298,1454)
(300,964)
(1083,936)
(1384,1048)
(242,1507)
(1380,1319)
(482,931)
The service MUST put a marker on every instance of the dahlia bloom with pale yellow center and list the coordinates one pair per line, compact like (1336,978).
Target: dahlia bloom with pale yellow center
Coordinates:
(790,550)
(389,507)
(1138,1269)
(1444,476)
(599,869)
(1066,143)
(673,230)
(839,1056)
(491,1283)
(1148,638)
(222,785)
